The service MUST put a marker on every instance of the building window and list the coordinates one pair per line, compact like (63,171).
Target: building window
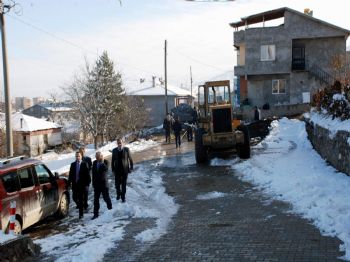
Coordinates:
(267,52)
(278,86)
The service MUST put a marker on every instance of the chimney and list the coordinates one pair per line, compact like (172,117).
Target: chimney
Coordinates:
(308,11)
(153,81)
(21,122)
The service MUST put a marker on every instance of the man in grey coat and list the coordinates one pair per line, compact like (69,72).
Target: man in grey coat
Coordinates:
(122,165)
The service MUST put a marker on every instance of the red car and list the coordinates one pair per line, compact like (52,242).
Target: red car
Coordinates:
(38,193)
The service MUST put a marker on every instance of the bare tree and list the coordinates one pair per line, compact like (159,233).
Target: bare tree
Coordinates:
(130,119)
(97,96)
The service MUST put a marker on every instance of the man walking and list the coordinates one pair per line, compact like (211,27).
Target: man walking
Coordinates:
(167,127)
(100,183)
(88,161)
(177,131)
(79,179)
(122,164)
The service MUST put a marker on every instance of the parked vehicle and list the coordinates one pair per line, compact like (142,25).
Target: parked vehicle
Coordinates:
(38,193)
(217,130)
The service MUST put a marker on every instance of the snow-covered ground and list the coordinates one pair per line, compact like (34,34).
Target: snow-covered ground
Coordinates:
(5,237)
(288,168)
(61,163)
(88,240)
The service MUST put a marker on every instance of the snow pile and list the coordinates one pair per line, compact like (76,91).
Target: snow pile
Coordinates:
(326,121)
(5,237)
(211,195)
(290,170)
(88,240)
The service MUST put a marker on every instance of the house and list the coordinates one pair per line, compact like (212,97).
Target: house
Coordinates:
(153,97)
(284,64)
(32,136)
(53,112)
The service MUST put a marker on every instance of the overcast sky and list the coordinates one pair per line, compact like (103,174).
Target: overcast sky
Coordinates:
(49,40)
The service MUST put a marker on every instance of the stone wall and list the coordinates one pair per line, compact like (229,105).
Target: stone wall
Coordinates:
(335,149)
(19,249)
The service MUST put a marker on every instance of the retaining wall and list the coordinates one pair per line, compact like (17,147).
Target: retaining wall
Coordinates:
(333,148)
(18,249)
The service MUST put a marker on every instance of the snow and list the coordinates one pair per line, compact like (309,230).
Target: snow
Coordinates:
(326,121)
(290,170)
(211,195)
(159,90)
(5,237)
(338,97)
(29,123)
(61,163)
(91,239)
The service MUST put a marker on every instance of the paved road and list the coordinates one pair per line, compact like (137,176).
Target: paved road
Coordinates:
(244,225)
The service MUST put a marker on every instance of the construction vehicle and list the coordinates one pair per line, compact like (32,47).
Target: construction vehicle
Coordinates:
(217,130)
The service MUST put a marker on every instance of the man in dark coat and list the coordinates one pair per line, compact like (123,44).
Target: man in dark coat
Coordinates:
(88,161)
(100,183)
(79,179)
(177,131)
(122,165)
(167,127)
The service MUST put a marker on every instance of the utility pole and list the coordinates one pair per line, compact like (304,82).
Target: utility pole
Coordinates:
(191,84)
(9,139)
(165,77)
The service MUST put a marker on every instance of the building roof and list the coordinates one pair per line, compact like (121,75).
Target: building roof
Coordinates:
(58,108)
(29,123)
(159,90)
(278,13)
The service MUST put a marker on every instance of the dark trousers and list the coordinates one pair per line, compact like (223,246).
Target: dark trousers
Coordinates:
(120,184)
(85,197)
(167,136)
(106,198)
(178,140)
(80,198)
(189,134)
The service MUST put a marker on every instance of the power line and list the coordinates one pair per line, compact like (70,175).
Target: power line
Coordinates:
(70,42)
(197,61)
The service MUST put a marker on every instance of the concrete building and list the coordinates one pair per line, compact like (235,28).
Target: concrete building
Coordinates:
(55,113)
(153,97)
(284,64)
(32,136)
(23,102)
(38,100)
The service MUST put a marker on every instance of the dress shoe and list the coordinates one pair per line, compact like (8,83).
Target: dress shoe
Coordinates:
(118,197)
(94,217)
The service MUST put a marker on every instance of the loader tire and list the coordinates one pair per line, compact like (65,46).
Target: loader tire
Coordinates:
(201,151)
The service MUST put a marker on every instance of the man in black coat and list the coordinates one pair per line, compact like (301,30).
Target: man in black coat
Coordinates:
(177,127)
(167,127)
(122,165)
(88,161)
(100,183)
(79,179)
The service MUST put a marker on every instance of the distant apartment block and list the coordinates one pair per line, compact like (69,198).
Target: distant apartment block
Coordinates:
(23,102)
(38,100)
(284,64)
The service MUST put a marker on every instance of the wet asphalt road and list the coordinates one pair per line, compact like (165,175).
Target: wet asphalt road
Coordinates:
(243,225)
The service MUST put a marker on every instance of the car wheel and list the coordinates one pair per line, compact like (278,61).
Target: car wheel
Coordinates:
(201,153)
(244,149)
(63,207)
(18,227)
